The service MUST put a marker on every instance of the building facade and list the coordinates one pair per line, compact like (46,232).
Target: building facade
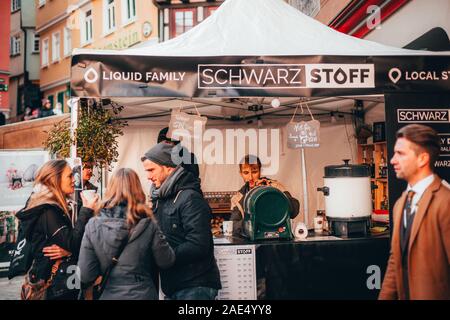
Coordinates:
(101,24)
(24,59)
(113,24)
(179,16)
(5,18)
(56,48)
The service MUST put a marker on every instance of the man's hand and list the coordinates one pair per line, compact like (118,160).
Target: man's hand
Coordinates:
(55,252)
(261,182)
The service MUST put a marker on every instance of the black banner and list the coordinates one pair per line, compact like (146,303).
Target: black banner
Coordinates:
(432,110)
(234,76)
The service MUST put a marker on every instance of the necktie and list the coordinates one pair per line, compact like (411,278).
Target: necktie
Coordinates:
(408,205)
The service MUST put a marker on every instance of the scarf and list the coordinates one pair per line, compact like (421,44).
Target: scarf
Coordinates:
(167,186)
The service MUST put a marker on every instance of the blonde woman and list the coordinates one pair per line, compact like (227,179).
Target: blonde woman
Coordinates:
(47,224)
(125,221)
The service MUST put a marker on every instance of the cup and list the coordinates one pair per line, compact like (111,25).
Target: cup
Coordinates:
(227,228)
(89,194)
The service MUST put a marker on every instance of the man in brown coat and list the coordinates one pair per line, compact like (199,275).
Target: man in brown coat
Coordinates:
(419,263)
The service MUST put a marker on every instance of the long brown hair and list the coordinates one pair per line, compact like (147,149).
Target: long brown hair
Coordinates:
(125,186)
(50,175)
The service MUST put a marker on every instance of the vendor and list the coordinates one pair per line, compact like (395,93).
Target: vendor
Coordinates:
(250,170)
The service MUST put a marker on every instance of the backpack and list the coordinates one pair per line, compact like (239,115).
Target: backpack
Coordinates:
(22,256)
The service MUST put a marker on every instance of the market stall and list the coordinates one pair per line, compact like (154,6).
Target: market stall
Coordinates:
(244,67)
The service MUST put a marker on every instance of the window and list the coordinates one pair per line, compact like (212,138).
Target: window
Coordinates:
(128,11)
(60,99)
(86,29)
(45,52)
(181,21)
(56,46)
(15,5)
(41,3)
(210,10)
(15,45)
(67,42)
(110,16)
(51,98)
(36,43)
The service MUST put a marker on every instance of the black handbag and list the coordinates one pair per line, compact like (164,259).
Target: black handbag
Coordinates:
(63,285)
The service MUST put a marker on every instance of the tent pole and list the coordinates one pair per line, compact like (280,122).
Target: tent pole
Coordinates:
(305,189)
(74,104)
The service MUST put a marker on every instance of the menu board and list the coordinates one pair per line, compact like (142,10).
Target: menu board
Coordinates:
(237,271)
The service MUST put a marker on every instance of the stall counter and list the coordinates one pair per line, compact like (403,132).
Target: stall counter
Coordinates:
(319,267)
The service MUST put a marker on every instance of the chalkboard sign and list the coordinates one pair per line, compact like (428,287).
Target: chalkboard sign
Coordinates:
(303,134)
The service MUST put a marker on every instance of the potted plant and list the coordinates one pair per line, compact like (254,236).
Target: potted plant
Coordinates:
(95,137)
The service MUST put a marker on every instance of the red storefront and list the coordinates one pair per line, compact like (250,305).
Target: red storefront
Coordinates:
(5,14)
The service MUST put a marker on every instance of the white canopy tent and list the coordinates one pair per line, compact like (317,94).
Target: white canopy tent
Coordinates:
(245,32)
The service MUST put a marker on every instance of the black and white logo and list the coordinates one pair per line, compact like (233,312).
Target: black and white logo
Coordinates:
(243,251)
(91,76)
(423,115)
(395,74)
(285,76)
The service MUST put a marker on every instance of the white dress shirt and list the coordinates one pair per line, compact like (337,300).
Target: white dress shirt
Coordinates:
(419,188)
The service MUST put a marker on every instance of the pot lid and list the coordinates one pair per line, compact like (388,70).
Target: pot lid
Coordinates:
(347,170)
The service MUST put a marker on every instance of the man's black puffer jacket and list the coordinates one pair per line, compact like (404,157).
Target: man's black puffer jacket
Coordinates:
(184,217)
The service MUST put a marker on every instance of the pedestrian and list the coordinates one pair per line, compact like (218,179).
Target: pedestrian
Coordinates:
(47,224)
(419,263)
(46,109)
(184,217)
(124,221)
(189,161)
(86,176)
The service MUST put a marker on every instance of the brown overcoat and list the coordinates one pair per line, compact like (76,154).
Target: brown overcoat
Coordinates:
(429,248)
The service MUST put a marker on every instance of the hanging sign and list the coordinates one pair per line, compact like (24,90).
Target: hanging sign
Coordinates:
(303,134)
(183,126)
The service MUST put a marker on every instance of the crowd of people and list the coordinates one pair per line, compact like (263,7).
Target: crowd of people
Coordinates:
(123,242)
(123,237)
(46,110)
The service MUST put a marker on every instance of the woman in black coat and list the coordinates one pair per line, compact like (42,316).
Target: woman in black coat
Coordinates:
(47,224)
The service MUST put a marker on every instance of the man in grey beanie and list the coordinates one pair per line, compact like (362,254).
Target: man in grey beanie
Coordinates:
(184,217)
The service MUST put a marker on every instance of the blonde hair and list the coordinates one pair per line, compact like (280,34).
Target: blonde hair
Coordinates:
(50,176)
(125,186)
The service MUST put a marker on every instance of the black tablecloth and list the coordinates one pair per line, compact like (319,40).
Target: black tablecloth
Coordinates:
(336,269)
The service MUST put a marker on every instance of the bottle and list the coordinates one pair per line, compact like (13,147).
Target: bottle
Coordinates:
(382,168)
(318,222)
(384,203)
(372,167)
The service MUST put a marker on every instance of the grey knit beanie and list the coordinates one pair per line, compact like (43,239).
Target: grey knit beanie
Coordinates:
(160,154)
